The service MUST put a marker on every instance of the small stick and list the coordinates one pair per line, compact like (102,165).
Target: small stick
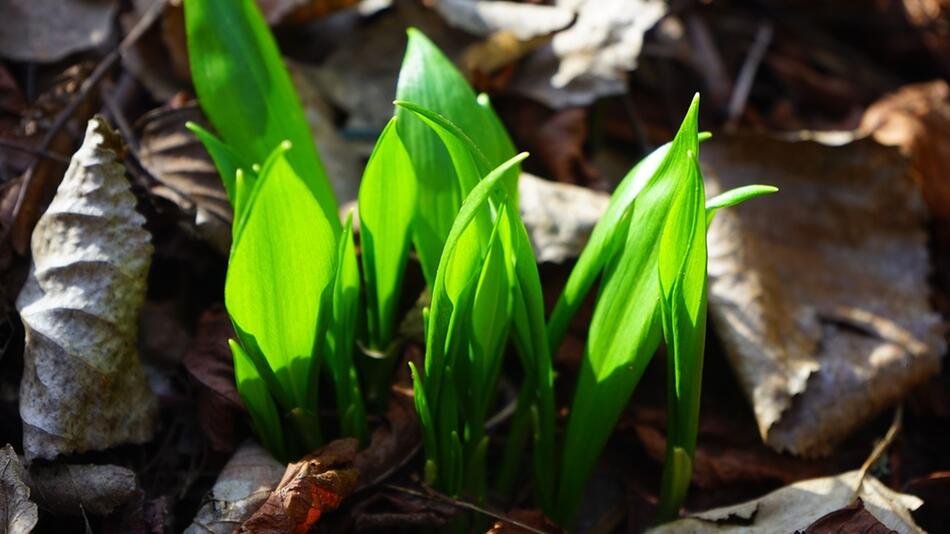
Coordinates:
(743,86)
(436,496)
(879,449)
(85,88)
(10,145)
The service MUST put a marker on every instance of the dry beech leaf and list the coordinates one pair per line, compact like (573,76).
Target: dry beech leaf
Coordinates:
(795,507)
(48,30)
(559,217)
(916,118)
(820,292)
(309,488)
(185,172)
(75,490)
(590,58)
(83,386)
(18,514)
(524,21)
(244,483)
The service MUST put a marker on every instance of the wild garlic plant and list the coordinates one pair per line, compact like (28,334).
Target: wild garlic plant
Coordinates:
(442,180)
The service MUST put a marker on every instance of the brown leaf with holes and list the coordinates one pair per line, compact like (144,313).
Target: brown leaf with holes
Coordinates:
(208,362)
(916,118)
(175,157)
(820,291)
(310,488)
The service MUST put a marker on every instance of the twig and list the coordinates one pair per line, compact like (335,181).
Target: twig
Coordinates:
(743,86)
(10,145)
(879,449)
(85,88)
(464,505)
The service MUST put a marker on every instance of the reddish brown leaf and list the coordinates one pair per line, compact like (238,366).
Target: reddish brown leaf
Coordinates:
(533,518)
(310,488)
(852,519)
(560,145)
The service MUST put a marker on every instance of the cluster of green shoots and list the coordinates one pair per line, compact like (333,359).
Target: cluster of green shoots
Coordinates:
(442,181)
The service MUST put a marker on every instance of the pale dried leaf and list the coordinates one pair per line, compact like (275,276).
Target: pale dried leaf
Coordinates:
(243,485)
(820,292)
(590,59)
(83,386)
(795,507)
(83,489)
(186,174)
(48,30)
(559,217)
(18,514)
(484,18)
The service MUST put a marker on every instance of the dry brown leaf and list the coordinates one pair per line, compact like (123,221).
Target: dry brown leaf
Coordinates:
(186,174)
(159,59)
(916,118)
(533,518)
(44,176)
(75,490)
(300,11)
(18,514)
(852,519)
(524,21)
(244,483)
(820,292)
(559,217)
(795,507)
(208,362)
(560,146)
(309,488)
(83,386)
(590,58)
(49,30)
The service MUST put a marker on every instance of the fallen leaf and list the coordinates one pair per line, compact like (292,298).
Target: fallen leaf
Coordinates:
(524,21)
(934,489)
(18,514)
(75,490)
(186,175)
(243,485)
(159,59)
(916,118)
(12,107)
(589,59)
(559,217)
(852,519)
(560,146)
(83,387)
(300,11)
(793,508)
(819,292)
(309,488)
(533,518)
(48,30)
(931,18)
(208,362)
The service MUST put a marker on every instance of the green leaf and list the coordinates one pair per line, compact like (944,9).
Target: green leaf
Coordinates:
(387,201)
(429,440)
(246,92)
(429,79)
(260,405)
(735,196)
(341,337)
(226,160)
(627,322)
(282,263)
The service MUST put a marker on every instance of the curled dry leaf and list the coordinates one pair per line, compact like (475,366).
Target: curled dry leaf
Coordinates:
(18,514)
(916,118)
(83,386)
(795,507)
(49,30)
(243,485)
(820,292)
(175,157)
(559,217)
(75,490)
(309,488)
(853,518)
